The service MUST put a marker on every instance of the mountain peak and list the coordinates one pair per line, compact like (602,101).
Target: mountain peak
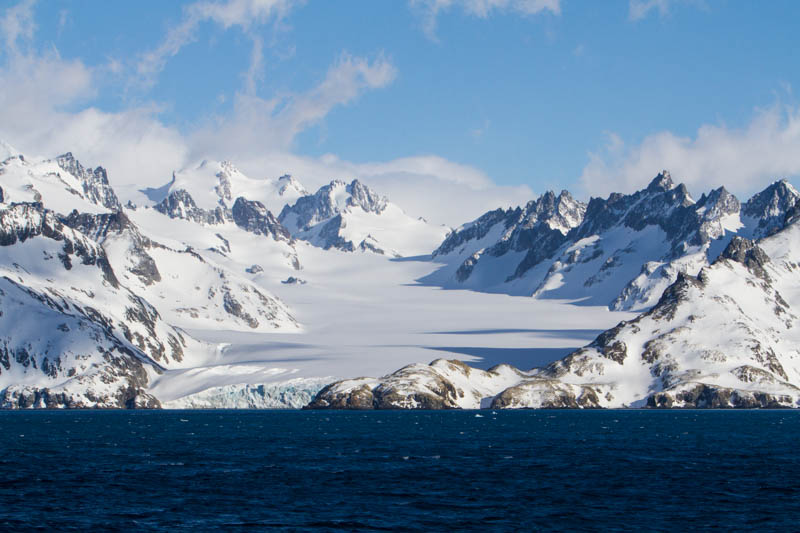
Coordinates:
(288,183)
(771,206)
(96,186)
(662,182)
(365,198)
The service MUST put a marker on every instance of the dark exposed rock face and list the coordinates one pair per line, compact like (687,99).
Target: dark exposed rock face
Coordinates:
(121,366)
(110,375)
(180,204)
(770,208)
(320,206)
(330,398)
(95,182)
(435,386)
(665,205)
(703,396)
(571,243)
(674,296)
(476,230)
(124,341)
(255,218)
(23,221)
(411,387)
(538,229)
(746,252)
(99,227)
(550,394)
(365,198)
(251,216)
(234,308)
(329,234)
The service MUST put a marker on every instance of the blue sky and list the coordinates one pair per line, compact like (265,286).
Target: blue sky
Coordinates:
(508,97)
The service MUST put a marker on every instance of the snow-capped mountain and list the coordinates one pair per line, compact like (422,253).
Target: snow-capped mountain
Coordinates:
(62,184)
(622,251)
(92,303)
(508,243)
(212,184)
(70,333)
(210,296)
(352,217)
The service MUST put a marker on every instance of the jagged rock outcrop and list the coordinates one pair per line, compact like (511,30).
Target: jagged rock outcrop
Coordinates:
(69,330)
(95,183)
(102,226)
(535,231)
(179,204)
(329,201)
(350,217)
(702,396)
(255,218)
(622,251)
(249,215)
(23,221)
(444,384)
(766,211)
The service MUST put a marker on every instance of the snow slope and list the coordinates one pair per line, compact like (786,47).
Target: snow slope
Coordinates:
(211,183)
(352,217)
(62,184)
(70,333)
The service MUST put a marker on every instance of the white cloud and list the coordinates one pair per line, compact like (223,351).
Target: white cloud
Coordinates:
(431,9)
(639,9)
(17,24)
(233,13)
(34,84)
(38,97)
(743,160)
(258,125)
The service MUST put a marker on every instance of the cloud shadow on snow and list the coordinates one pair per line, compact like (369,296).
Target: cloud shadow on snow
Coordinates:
(522,358)
(579,334)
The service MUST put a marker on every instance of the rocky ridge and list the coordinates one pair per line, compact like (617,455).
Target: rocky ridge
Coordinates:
(85,341)
(352,217)
(622,251)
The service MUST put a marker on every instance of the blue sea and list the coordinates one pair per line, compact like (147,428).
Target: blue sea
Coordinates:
(399,471)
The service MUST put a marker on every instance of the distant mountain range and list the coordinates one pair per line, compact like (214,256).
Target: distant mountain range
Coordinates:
(622,251)
(99,299)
